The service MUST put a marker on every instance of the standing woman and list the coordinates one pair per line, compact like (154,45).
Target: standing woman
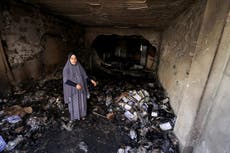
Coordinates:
(75,88)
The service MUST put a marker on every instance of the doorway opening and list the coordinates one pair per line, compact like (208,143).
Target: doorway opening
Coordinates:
(129,54)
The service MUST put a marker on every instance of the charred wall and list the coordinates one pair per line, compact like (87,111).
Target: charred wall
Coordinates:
(33,40)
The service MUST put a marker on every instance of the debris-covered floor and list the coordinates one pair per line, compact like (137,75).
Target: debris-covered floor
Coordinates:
(125,115)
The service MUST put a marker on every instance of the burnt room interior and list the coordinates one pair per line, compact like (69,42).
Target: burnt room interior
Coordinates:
(162,69)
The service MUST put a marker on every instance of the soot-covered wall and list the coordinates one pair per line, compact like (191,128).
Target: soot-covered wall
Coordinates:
(34,41)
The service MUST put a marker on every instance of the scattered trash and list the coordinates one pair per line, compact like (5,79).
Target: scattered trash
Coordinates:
(137,97)
(165,126)
(2,144)
(151,85)
(34,123)
(154,114)
(145,113)
(18,110)
(166,100)
(13,119)
(83,146)
(127,107)
(28,110)
(130,116)
(95,113)
(12,144)
(110,116)
(132,134)
(141,149)
(128,149)
(125,99)
(68,127)
(108,100)
(19,129)
(140,110)
(1,112)
(120,150)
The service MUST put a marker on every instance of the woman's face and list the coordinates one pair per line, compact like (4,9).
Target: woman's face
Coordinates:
(73,59)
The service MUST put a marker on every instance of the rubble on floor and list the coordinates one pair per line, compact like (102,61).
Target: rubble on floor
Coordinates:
(134,107)
(143,111)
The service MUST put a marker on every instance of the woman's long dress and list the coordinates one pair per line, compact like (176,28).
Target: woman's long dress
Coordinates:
(76,99)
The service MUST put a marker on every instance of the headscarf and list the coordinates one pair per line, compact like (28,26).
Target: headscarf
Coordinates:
(77,74)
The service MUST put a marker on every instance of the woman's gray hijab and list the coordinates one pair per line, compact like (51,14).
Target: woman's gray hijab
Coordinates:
(77,74)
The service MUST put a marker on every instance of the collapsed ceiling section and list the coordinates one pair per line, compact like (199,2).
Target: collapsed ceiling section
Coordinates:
(119,14)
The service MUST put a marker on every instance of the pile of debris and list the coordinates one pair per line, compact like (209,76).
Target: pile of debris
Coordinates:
(137,107)
(146,117)
(28,113)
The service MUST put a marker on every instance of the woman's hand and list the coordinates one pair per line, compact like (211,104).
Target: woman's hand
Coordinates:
(94,83)
(78,86)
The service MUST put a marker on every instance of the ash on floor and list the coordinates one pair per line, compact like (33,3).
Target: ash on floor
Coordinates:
(125,115)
